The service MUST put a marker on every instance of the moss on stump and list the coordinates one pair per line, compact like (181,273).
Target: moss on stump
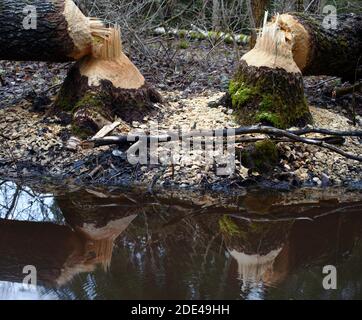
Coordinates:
(261,156)
(94,106)
(269,96)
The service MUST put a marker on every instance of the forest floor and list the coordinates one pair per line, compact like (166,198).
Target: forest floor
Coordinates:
(34,144)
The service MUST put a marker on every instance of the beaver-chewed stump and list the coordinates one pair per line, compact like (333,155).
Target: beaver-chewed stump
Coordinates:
(103,87)
(268,85)
(103,84)
(97,91)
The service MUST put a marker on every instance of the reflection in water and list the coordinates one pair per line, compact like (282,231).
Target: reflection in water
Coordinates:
(91,244)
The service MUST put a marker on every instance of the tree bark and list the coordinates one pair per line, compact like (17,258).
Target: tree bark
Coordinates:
(216,15)
(318,50)
(59,33)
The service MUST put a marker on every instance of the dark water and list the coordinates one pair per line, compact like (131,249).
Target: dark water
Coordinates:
(93,244)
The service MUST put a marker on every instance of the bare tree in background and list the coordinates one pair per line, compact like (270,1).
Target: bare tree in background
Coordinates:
(216,15)
(256,10)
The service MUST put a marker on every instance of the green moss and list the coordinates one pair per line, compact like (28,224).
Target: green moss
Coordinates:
(241,96)
(90,100)
(81,132)
(194,35)
(201,36)
(233,87)
(229,227)
(269,117)
(94,104)
(63,101)
(228,39)
(182,34)
(267,103)
(183,45)
(262,156)
(253,104)
(267,148)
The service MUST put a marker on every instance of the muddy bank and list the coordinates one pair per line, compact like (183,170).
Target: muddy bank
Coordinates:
(34,144)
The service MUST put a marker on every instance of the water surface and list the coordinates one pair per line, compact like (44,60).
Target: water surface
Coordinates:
(111,244)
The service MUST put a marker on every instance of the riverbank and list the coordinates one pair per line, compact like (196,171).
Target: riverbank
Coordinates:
(34,144)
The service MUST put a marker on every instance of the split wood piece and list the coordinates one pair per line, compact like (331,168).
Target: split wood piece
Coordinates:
(256,10)
(106,130)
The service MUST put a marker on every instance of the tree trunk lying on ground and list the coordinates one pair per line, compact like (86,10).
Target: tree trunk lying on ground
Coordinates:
(60,31)
(318,50)
(103,84)
(199,34)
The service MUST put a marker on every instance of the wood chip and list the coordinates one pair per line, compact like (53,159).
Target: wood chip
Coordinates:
(106,130)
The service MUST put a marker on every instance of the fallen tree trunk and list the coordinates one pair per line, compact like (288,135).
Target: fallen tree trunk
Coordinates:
(57,32)
(318,50)
(199,34)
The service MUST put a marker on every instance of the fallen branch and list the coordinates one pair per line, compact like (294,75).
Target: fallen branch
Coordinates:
(293,135)
(347,90)
(198,34)
(330,140)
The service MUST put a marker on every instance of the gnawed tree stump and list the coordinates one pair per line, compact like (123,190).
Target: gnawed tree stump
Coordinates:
(318,50)
(268,85)
(99,90)
(102,85)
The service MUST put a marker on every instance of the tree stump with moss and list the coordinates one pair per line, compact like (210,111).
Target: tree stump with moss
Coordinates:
(268,85)
(105,86)
(97,91)
(261,156)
